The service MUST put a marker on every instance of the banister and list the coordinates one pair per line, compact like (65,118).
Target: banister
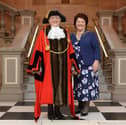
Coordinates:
(33,40)
(100,39)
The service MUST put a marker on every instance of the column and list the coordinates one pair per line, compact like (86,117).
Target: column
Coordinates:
(105,17)
(12,75)
(27,17)
(13,27)
(120,28)
(2,22)
(119,75)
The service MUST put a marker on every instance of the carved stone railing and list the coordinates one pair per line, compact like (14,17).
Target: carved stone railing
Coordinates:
(120,13)
(12,56)
(12,12)
(12,66)
(106,62)
(106,18)
(118,49)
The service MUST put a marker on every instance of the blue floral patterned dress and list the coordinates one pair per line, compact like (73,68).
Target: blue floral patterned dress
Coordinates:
(86,86)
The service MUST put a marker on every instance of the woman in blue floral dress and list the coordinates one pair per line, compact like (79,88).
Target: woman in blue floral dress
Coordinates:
(87,53)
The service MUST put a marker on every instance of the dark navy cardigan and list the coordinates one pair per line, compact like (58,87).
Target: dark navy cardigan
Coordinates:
(89,47)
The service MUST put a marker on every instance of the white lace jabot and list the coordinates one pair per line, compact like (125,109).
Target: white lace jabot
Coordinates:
(56,33)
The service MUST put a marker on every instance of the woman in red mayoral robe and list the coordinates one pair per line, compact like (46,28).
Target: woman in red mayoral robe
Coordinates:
(53,55)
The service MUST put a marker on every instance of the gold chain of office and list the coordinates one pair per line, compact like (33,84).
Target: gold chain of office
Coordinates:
(56,52)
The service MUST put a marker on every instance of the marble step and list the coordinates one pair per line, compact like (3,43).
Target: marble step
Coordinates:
(103,87)
(105,96)
(29,95)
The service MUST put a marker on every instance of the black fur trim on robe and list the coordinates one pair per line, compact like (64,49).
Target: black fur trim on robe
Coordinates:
(72,56)
(37,76)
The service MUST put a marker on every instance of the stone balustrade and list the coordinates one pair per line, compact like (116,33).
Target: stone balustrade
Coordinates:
(12,63)
(12,12)
(12,56)
(106,18)
(118,85)
(120,13)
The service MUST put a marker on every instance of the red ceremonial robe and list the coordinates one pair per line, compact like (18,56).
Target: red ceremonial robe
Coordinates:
(43,81)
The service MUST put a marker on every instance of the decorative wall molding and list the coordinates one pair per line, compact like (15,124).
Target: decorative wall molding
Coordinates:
(122,71)
(8,65)
(106,20)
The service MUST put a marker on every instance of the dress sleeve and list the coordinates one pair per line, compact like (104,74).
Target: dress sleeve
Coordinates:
(96,46)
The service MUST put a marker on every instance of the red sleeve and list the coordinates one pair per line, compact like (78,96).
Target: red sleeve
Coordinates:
(37,54)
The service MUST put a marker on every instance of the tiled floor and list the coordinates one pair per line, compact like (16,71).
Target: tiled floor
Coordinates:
(101,112)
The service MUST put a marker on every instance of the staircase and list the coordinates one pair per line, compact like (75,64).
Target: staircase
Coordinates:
(106,65)
(105,94)
(29,88)
(105,69)
(8,33)
(105,78)
(13,50)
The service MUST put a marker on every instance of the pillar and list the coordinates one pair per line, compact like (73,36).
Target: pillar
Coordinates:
(12,75)
(2,22)
(119,75)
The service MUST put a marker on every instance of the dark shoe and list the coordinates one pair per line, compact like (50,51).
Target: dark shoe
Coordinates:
(80,106)
(77,111)
(84,113)
(60,117)
(75,118)
(85,109)
(51,114)
(51,117)
(58,114)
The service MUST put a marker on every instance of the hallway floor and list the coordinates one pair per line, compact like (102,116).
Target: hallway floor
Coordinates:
(102,112)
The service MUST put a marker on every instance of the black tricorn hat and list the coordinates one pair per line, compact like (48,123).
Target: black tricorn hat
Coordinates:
(53,13)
